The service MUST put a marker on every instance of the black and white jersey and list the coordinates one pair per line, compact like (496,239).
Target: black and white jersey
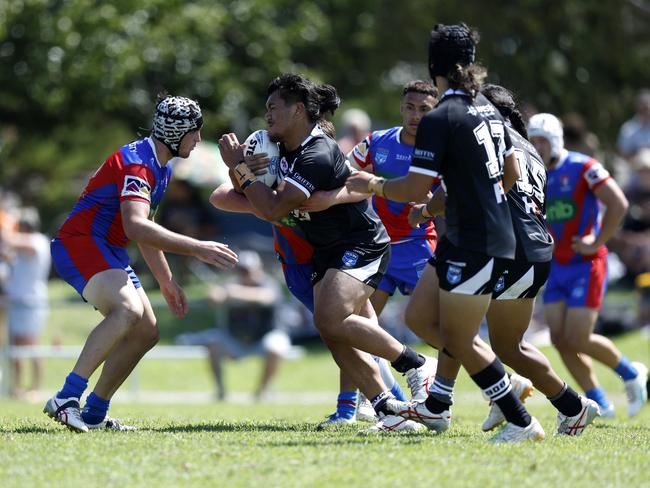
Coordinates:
(527,199)
(319,164)
(464,142)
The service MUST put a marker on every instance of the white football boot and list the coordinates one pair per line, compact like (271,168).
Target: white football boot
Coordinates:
(522,388)
(109,423)
(419,413)
(393,423)
(419,379)
(365,412)
(334,421)
(66,411)
(575,424)
(513,433)
(636,391)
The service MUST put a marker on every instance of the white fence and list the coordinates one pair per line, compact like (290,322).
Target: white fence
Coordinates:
(72,352)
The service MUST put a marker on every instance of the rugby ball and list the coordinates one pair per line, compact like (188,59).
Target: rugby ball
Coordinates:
(259,142)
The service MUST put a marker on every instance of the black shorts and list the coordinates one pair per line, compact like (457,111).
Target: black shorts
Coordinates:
(521,279)
(465,272)
(365,262)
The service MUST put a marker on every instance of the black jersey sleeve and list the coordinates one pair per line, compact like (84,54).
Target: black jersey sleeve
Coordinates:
(430,144)
(311,171)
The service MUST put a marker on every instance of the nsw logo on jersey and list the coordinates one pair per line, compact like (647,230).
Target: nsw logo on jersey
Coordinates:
(136,187)
(560,210)
(454,274)
(501,283)
(350,258)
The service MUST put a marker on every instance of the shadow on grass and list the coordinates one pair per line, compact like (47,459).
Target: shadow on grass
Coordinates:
(32,429)
(232,427)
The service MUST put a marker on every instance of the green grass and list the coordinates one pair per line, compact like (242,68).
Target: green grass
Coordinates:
(271,445)
(259,445)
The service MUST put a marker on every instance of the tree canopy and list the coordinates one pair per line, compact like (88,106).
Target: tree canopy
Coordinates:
(78,77)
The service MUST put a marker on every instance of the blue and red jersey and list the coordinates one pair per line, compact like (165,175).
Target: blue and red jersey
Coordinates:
(291,245)
(389,157)
(572,208)
(131,173)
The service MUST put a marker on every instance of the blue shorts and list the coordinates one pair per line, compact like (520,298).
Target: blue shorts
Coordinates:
(78,259)
(298,279)
(407,263)
(578,285)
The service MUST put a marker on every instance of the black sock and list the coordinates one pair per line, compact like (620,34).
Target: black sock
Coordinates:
(379,402)
(567,401)
(434,405)
(496,385)
(409,359)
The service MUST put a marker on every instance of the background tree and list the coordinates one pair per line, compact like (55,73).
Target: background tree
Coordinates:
(78,77)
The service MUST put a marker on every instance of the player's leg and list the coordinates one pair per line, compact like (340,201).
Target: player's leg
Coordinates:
(114,295)
(466,283)
(508,320)
(339,298)
(215,357)
(120,363)
(421,316)
(600,348)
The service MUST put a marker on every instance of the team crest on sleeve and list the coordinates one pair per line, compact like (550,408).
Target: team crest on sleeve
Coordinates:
(350,258)
(595,174)
(136,187)
(360,151)
(454,274)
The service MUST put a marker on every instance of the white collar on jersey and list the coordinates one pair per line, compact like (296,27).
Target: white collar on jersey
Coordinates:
(398,132)
(153,150)
(315,132)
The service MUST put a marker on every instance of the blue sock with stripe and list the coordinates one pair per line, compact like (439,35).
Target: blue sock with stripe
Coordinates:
(625,369)
(74,386)
(95,409)
(346,404)
(598,395)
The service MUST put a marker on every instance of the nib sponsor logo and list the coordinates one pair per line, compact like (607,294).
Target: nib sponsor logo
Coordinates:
(560,210)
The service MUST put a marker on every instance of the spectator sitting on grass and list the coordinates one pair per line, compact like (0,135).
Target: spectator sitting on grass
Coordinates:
(251,325)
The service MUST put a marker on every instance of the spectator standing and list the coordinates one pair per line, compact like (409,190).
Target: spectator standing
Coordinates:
(28,253)
(634,134)
(355,127)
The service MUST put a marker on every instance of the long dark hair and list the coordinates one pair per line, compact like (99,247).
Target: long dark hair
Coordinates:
(504,101)
(318,100)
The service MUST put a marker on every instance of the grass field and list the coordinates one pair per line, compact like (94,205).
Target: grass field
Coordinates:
(225,444)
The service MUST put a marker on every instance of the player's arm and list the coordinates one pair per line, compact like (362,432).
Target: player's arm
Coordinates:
(171,291)
(616,206)
(611,195)
(322,200)
(510,171)
(422,212)
(270,205)
(140,229)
